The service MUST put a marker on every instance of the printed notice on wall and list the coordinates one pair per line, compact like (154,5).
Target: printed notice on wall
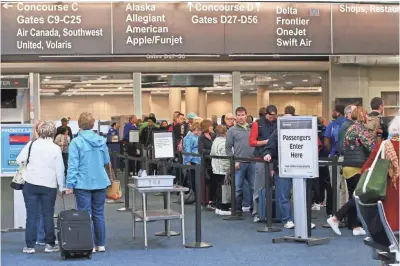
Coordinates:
(163,145)
(298,147)
(133,136)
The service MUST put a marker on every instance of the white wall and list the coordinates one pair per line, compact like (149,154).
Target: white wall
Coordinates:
(366,82)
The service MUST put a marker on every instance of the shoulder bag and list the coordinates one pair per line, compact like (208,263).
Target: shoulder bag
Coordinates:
(372,185)
(18,181)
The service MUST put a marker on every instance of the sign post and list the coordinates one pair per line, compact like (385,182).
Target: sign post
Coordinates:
(298,159)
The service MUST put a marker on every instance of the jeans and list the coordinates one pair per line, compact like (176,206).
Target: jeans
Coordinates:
(93,201)
(283,187)
(247,196)
(259,183)
(34,197)
(41,234)
(245,172)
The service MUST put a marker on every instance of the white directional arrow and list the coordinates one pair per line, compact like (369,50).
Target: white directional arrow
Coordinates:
(7,5)
(190,6)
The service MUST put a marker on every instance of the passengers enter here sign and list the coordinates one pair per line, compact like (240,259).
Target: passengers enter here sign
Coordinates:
(298,146)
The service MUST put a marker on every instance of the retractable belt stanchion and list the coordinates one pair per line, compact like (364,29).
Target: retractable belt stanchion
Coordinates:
(167,232)
(268,200)
(233,216)
(198,243)
(126,182)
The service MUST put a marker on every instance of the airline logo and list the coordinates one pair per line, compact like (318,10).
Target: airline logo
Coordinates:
(19,139)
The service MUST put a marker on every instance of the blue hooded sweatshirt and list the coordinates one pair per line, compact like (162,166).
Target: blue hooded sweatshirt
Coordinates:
(88,153)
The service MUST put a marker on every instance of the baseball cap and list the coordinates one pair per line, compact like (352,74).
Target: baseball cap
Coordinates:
(152,115)
(191,116)
(64,119)
(271,109)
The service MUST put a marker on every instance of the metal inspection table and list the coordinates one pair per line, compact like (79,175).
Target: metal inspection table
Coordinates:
(165,214)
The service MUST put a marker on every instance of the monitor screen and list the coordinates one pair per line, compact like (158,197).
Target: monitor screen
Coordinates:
(9,98)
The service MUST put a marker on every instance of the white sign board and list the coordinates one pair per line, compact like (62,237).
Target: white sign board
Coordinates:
(134,136)
(298,146)
(163,145)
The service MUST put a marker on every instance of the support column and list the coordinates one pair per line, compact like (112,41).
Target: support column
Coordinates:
(146,102)
(236,96)
(192,100)
(175,96)
(202,104)
(137,94)
(262,97)
(34,97)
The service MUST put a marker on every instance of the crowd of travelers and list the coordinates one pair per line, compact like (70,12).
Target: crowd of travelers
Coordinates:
(76,165)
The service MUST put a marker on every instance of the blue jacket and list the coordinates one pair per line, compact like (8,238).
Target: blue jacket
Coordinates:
(88,153)
(190,145)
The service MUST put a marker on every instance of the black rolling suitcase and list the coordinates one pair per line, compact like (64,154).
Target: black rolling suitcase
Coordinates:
(75,233)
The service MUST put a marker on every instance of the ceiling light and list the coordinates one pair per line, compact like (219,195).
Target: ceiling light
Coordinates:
(120,88)
(47,77)
(223,93)
(241,90)
(288,82)
(69,95)
(275,85)
(88,85)
(104,77)
(209,91)
(320,77)
(81,89)
(305,80)
(46,80)
(102,94)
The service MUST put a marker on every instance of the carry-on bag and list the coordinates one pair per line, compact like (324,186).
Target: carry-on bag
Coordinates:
(372,185)
(75,235)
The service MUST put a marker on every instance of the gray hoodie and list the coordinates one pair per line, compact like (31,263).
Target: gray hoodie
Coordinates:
(237,142)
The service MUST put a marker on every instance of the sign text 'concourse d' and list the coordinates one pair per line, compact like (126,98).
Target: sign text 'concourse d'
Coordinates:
(198,28)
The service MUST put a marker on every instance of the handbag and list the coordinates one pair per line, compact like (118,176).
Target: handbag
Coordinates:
(372,185)
(226,190)
(18,181)
(114,190)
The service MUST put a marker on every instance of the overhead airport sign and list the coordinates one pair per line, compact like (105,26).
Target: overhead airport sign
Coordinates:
(205,28)
(14,83)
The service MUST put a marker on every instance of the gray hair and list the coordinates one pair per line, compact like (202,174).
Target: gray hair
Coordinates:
(86,121)
(394,125)
(46,129)
(348,110)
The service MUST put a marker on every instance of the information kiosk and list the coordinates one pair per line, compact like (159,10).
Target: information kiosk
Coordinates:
(298,159)
(13,140)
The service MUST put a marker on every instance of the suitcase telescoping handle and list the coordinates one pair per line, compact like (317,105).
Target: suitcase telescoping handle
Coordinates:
(63,201)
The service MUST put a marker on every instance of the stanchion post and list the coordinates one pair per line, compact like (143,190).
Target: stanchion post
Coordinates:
(203,174)
(126,182)
(114,160)
(335,184)
(268,201)
(234,216)
(198,242)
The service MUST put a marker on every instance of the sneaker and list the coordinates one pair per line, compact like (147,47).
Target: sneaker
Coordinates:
(316,207)
(289,225)
(224,213)
(94,250)
(359,232)
(245,209)
(334,224)
(217,211)
(40,243)
(50,249)
(28,250)
(256,219)
(101,249)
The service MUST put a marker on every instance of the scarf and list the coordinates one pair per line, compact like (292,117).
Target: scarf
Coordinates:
(390,154)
